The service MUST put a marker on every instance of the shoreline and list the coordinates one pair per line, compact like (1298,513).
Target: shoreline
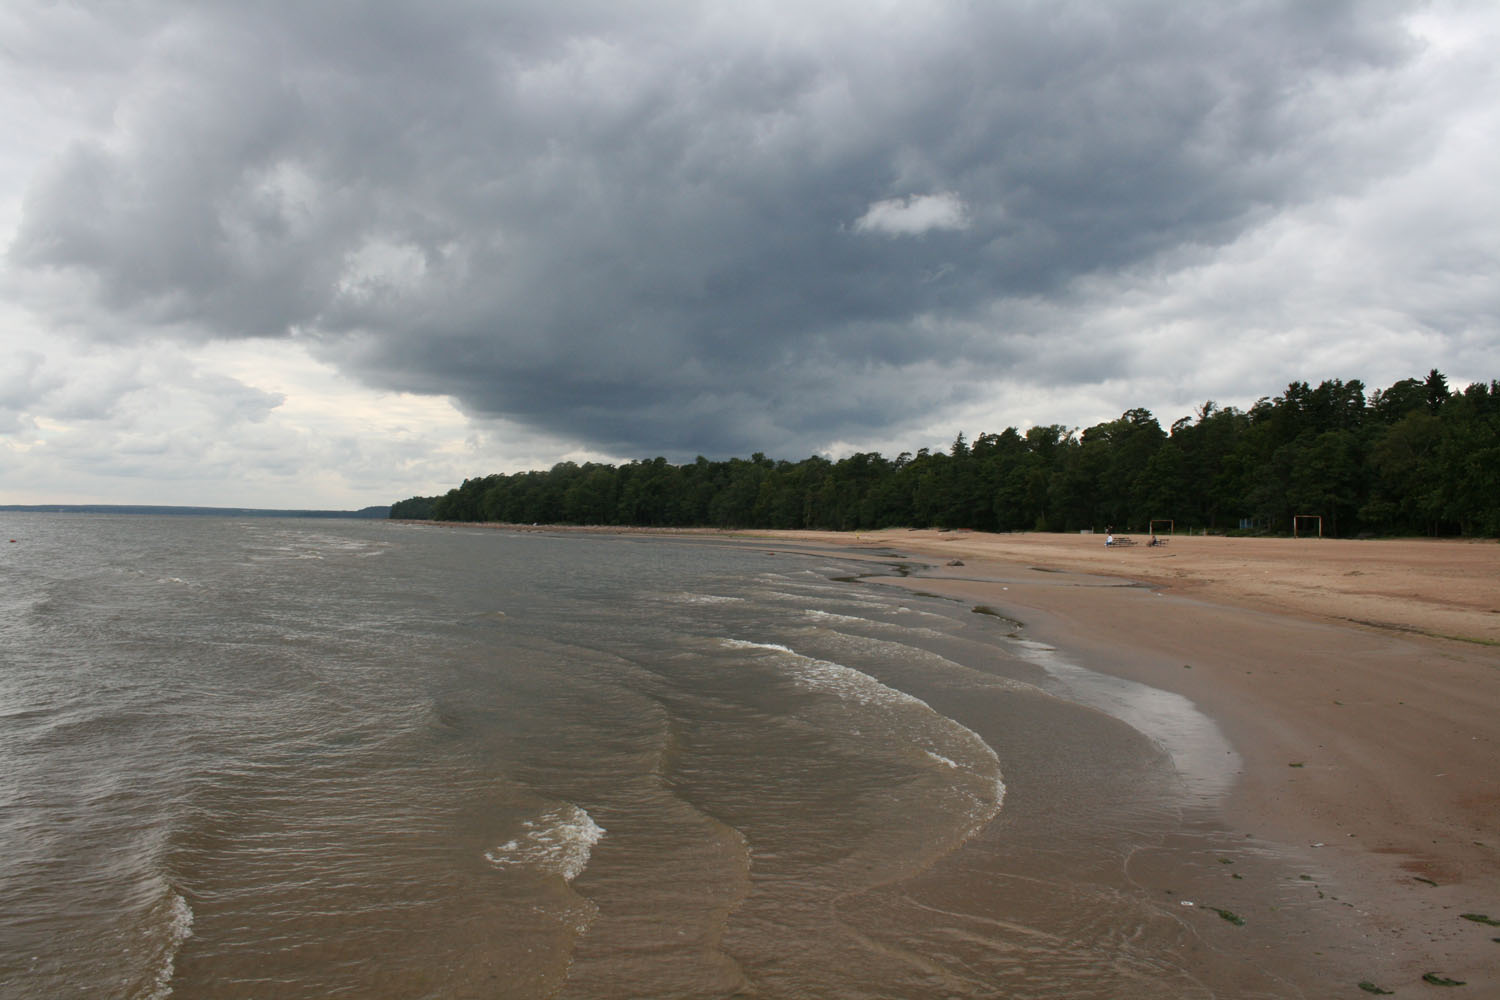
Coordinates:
(1357,681)
(1368,738)
(1384,584)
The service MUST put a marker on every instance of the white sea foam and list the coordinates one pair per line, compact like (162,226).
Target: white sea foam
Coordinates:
(178,919)
(833,678)
(560,841)
(940,758)
(833,619)
(829,616)
(826,595)
(854,602)
(687,597)
(918,611)
(747,644)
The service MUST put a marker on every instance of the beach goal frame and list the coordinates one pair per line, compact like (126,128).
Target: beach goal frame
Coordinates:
(1162,520)
(1297,520)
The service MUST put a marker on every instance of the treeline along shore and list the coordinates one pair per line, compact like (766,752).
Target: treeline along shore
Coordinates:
(1416,458)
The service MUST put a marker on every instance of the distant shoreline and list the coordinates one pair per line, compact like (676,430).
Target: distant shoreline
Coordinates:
(367,513)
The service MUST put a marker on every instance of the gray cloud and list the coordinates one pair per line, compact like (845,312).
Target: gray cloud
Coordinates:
(689,228)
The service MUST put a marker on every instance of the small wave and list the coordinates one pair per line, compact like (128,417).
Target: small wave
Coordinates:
(982,764)
(941,759)
(829,616)
(687,597)
(747,644)
(834,678)
(903,609)
(560,842)
(788,597)
(176,917)
(781,595)
(834,619)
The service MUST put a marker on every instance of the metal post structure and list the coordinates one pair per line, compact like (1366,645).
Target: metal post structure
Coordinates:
(1306,517)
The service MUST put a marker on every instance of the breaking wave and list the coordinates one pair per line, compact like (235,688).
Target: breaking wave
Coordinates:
(942,740)
(176,918)
(559,842)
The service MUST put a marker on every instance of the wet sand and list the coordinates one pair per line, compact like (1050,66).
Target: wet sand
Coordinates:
(1359,685)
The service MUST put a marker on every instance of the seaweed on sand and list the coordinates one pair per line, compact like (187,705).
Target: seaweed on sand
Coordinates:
(1437,980)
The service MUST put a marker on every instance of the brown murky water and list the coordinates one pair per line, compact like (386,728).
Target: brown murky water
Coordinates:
(276,758)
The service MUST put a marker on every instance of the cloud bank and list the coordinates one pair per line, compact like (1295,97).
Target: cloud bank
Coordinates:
(680,228)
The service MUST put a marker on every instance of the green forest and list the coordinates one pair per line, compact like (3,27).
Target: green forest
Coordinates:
(1414,459)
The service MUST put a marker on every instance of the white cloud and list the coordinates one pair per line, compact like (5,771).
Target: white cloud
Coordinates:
(914,215)
(243,423)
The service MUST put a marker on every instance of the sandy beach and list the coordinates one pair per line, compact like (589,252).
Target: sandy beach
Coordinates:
(1359,684)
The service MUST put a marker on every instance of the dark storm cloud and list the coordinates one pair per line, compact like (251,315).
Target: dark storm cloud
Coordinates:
(686,228)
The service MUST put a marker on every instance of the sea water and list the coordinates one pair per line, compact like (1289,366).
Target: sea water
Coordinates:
(302,758)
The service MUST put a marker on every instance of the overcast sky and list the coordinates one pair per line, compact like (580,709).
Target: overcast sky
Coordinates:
(296,254)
